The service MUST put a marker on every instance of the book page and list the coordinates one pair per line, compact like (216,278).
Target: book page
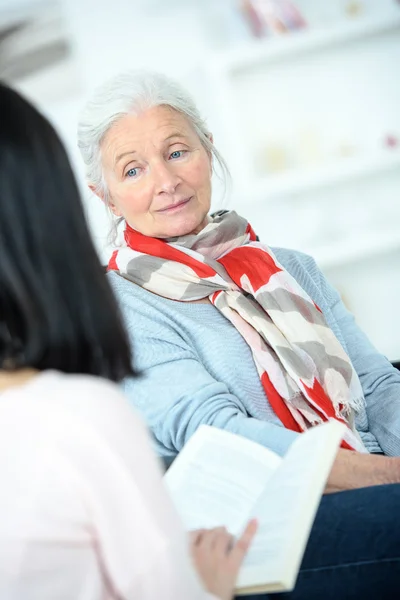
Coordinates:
(286,508)
(217,479)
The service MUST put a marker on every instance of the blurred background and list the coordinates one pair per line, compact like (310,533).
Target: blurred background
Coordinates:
(303,99)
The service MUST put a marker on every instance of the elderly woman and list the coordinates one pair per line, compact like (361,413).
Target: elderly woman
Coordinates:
(232,333)
(226,330)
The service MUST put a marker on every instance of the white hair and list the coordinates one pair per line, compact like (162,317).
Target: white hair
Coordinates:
(133,92)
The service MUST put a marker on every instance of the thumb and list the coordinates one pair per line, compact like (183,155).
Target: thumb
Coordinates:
(242,545)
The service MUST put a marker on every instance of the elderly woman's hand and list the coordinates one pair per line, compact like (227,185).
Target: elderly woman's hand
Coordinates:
(218,558)
(354,470)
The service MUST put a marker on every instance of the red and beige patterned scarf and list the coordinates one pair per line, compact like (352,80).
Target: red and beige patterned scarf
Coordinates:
(306,374)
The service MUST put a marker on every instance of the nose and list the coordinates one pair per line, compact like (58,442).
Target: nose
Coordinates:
(166,179)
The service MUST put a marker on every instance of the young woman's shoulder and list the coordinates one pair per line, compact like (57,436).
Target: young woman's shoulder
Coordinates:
(58,405)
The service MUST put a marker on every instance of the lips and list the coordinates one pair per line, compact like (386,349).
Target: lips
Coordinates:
(175,205)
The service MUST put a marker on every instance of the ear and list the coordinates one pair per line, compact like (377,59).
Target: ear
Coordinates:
(114,209)
(109,204)
(96,192)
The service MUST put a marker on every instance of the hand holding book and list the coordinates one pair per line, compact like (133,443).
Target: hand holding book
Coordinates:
(221,479)
(218,557)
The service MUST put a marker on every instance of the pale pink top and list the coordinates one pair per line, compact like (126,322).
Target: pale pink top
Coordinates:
(83,512)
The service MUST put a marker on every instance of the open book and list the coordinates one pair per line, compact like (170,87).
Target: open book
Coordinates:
(220,478)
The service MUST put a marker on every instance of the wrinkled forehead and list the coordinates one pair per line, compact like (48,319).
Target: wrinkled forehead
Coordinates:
(150,129)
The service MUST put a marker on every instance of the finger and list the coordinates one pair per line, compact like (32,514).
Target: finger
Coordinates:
(195,536)
(209,538)
(242,545)
(223,541)
(220,534)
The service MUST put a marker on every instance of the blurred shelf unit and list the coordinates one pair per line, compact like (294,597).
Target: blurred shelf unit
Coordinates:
(290,45)
(54,84)
(362,248)
(15,12)
(229,68)
(35,51)
(296,181)
(255,71)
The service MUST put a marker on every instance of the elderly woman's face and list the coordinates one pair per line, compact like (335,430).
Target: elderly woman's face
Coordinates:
(158,173)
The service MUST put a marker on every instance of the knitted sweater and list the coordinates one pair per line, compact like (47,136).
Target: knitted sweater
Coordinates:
(196,368)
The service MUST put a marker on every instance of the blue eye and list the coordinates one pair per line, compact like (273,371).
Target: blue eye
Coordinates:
(176,154)
(132,173)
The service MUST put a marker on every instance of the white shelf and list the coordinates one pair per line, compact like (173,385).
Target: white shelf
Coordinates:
(363,248)
(15,12)
(53,84)
(305,40)
(306,180)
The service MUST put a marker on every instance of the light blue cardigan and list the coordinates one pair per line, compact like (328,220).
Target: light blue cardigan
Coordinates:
(196,368)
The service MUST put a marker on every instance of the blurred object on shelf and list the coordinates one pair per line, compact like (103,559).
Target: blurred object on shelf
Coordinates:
(273,158)
(272,17)
(253,17)
(346,149)
(392,141)
(233,22)
(329,12)
(354,8)
(309,151)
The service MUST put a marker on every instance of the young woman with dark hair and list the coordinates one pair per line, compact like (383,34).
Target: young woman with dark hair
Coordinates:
(57,309)
(83,513)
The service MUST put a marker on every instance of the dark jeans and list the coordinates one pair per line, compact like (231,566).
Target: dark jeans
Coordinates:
(353,550)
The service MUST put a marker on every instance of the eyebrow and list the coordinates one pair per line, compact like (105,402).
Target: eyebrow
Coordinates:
(167,139)
(121,156)
(176,134)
